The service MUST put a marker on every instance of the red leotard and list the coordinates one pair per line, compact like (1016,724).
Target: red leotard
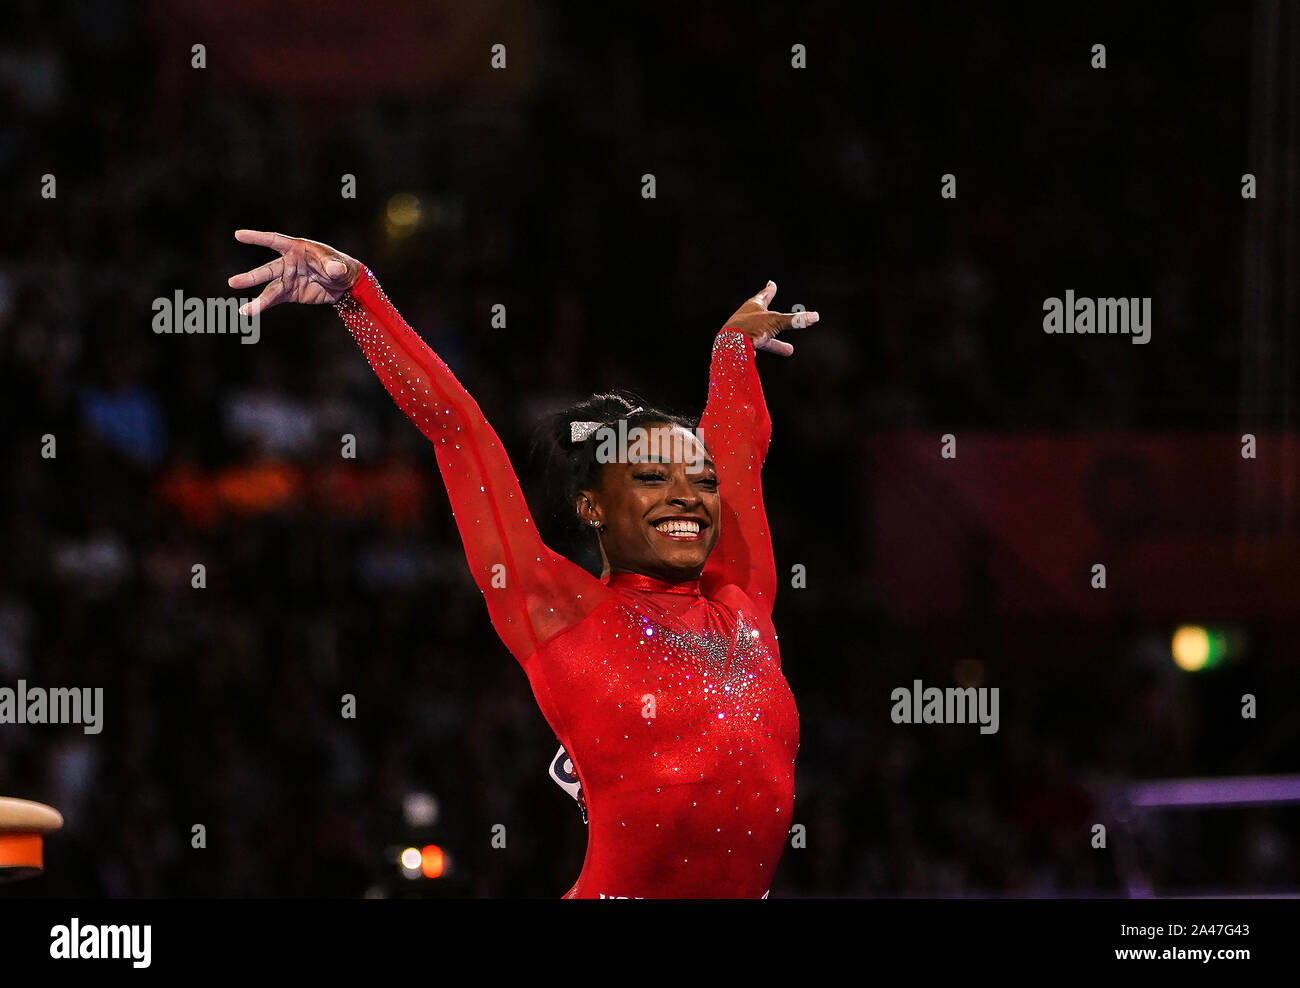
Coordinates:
(669,698)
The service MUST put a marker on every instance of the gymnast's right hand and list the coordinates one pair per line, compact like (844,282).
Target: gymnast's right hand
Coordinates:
(306,271)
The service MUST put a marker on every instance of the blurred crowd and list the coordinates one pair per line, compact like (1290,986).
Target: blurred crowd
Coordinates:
(327,575)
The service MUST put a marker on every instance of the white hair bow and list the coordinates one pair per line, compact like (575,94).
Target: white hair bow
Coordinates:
(580,431)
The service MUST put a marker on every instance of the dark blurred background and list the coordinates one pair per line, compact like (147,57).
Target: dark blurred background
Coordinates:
(522,187)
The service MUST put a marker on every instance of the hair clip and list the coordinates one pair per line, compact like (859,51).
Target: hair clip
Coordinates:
(580,431)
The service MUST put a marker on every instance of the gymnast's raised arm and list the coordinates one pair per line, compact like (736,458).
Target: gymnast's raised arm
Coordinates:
(532,593)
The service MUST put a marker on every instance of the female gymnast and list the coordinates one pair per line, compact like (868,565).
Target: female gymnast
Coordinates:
(661,678)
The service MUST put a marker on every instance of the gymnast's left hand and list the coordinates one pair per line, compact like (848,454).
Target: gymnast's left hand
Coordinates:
(762,326)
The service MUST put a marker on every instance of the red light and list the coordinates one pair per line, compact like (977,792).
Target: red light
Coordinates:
(431,861)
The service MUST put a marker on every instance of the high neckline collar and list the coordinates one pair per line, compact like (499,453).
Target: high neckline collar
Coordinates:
(649,584)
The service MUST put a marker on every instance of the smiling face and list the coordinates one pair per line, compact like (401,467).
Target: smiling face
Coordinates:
(660,510)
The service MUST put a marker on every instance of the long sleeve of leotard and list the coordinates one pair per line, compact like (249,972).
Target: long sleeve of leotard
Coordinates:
(532,593)
(737,429)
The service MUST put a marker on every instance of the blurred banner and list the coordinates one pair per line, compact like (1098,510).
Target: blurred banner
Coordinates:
(1015,525)
(340,51)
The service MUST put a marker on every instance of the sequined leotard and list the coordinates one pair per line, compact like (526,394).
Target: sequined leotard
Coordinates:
(669,698)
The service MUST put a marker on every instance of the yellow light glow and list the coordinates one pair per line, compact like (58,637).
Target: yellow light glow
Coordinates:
(411,859)
(1191,647)
(403,211)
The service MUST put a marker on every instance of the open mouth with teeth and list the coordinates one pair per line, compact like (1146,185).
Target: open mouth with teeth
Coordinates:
(681,529)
